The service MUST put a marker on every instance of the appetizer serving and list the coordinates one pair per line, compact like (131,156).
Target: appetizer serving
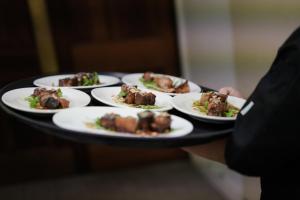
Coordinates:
(209,107)
(147,123)
(215,104)
(122,122)
(136,98)
(164,83)
(132,97)
(44,101)
(80,79)
(47,99)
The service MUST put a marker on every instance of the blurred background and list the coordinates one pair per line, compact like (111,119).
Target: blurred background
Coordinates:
(211,42)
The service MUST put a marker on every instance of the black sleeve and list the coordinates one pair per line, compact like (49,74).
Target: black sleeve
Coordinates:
(266,137)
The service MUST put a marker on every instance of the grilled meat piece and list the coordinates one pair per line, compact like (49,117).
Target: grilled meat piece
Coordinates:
(108,121)
(147,76)
(145,120)
(64,103)
(132,95)
(216,108)
(130,98)
(78,79)
(67,82)
(183,88)
(216,103)
(49,99)
(163,82)
(144,98)
(162,123)
(205,98)
(126,124)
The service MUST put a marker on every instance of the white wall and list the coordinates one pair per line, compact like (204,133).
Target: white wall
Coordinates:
(232,42)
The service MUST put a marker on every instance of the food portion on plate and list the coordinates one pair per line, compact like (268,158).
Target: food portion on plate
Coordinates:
(80,79)
(147,123)
(122,122)
(42,98)
(215,104)
(164,83)
(209,107)
(134,97)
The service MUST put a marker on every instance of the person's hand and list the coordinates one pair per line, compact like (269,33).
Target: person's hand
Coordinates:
(230,91)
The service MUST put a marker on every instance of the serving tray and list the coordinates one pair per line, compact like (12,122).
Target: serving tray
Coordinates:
(202,133)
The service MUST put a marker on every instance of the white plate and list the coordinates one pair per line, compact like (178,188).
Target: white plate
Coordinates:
(184,103)
(52,81)
(16,99)
(107,95)
(134,79)
(75,119)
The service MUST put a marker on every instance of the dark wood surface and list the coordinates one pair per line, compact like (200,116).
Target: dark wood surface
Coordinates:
(113,35)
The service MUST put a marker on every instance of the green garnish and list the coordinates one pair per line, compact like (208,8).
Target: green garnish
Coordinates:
(231,112)
(59,93)
(33,101)
(91,79)
(122,94)
(149,84)
(96,79)
(147,107)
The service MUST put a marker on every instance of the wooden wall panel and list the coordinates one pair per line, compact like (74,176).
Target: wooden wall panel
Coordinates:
(112,35)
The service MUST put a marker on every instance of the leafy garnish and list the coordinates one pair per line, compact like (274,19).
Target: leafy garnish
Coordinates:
(149,84)
(59,93)
(122,94)
(33,101)
(147,107)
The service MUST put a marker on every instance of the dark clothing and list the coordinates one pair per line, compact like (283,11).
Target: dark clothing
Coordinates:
(266,139)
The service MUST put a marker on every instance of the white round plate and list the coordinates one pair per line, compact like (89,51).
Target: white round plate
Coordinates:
(16,99)
(184,103)
(134,79)
(52,81)
(106,95)
(76,119)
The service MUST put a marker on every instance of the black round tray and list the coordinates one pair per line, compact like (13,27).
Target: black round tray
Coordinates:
(203,132)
